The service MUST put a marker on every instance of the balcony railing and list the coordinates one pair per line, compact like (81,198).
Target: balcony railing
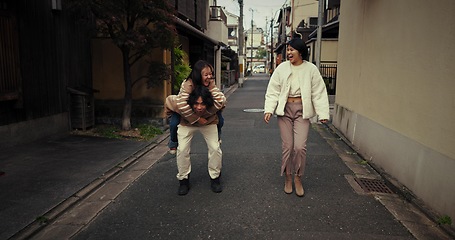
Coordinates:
(217,14)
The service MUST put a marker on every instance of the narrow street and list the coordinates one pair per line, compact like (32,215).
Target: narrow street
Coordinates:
(252,204)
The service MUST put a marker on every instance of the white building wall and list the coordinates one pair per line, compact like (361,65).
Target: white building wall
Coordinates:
(217,30)
(233,21)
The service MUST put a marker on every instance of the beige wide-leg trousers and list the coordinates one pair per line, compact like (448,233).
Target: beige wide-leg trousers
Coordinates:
(185,135)
(294,134)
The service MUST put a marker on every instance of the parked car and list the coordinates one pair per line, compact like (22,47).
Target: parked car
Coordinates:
(259,69)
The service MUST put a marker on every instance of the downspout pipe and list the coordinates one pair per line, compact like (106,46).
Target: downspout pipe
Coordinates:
(217,67)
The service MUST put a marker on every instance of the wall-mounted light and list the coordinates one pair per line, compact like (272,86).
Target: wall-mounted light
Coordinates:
(56,4)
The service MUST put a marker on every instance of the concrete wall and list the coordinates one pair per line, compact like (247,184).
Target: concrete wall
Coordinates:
(28,131)
(218,30)
(395,96)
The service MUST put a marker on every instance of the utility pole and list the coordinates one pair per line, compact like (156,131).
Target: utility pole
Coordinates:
(251,49)
(241,39)
(266,42)
(319,33)
(271,44)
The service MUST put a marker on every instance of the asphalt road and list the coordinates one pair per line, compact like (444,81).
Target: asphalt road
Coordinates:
(252,204)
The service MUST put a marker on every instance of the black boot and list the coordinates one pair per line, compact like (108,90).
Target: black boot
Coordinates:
(216,185)
(184,187)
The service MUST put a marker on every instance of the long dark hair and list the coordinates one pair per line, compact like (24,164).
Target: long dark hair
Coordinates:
(196,75)
(204,93)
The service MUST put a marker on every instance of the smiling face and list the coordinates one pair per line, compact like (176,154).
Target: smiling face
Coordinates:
(294,56)
(206,74)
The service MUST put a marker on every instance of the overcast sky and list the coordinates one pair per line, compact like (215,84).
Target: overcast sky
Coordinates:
(262,9)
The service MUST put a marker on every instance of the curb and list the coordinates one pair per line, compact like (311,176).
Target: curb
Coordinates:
(53,225)
(411,212)
(52,216)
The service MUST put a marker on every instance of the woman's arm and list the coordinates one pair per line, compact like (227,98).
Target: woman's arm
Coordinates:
(219,99)
(272,94)
(184,109)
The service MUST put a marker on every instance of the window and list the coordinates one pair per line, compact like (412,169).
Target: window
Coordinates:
(232,32)
(313,21)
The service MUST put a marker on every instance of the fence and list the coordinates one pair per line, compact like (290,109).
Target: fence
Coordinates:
(227,78)
(329,73)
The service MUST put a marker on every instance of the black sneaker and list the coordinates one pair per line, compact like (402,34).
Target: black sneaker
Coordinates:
(184,187)
(216,185)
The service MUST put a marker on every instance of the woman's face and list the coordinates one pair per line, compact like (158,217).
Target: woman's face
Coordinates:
(294,56)
(206,74)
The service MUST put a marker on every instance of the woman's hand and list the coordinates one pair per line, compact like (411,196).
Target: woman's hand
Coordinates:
(202,121)
(210,84)
(323,121)
(267,117)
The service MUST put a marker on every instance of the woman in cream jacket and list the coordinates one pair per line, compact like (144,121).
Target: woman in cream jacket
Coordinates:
(296,93)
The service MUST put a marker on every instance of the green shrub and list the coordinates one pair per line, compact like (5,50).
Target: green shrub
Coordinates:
(149,131)
(181,69)
(109,131)
(445,220)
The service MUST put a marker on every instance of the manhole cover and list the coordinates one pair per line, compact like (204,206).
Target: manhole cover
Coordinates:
(373,185)
(253,110)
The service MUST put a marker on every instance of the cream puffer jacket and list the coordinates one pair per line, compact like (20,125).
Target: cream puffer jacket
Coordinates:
(314,93)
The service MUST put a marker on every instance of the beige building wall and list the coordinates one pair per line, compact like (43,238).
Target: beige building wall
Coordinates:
(329,50)
(108,76)
(257,36)
(258,41)
(395,98)
(303,10)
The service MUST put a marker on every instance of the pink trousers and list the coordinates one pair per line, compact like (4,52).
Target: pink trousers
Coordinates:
(294,134)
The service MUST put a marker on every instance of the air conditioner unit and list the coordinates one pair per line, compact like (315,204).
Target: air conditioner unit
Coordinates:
(215,13)
(56,4)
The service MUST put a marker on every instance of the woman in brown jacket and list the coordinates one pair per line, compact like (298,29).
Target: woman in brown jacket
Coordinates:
(202,104)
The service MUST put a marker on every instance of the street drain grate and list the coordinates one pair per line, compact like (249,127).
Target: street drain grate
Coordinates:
(373,185)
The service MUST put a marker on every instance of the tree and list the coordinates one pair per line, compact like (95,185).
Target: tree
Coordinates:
(261,53)
(136,27)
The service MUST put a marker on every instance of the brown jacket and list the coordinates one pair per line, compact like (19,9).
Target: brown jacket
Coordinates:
(178,103)
(210,114)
